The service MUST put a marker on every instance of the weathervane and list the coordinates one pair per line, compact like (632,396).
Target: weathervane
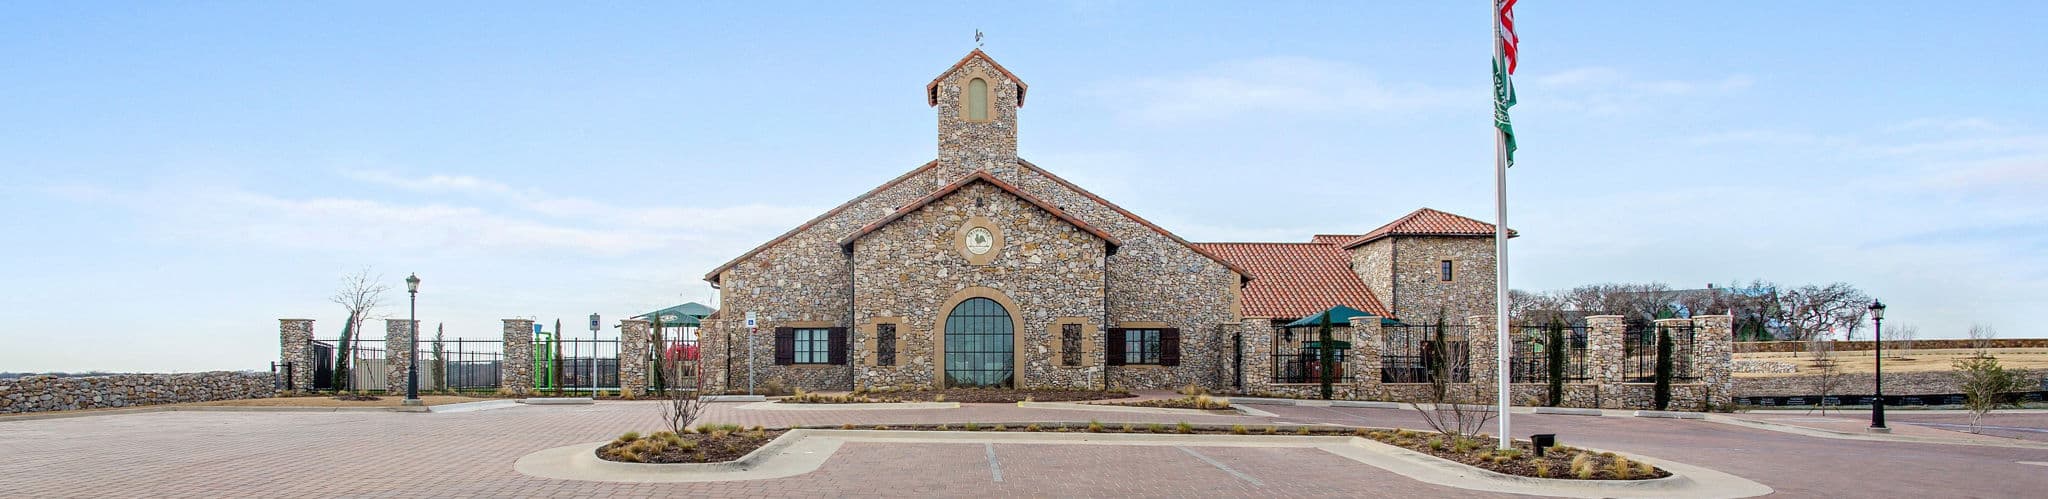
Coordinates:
(977,38)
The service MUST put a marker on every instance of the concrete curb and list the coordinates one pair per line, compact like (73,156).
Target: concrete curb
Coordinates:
(558,401)
(1568,411)
(804,450)
(877,406)
(1071,406)
(1261,401)
(473,406)
(1367,404)
(1820,433)
(733,398)
(1671,414)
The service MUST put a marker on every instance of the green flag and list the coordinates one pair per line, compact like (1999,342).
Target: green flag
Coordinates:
(1503,98)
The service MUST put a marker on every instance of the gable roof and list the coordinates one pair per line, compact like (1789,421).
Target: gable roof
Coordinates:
(931,90)
(1427,222)
(713,276)
(1291,280)
(1333,238)
(980,176)
(1134,218)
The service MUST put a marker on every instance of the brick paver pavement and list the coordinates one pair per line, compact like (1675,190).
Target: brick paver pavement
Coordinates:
(221,454)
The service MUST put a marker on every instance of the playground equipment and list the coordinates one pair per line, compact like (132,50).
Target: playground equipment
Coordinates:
(543,359)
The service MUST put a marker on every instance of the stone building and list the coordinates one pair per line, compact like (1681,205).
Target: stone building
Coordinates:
(982,269)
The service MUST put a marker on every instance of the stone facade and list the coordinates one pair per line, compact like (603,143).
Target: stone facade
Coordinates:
(1406,273)
(636,339)
(398,346)
(516,374)
(52,393)
(294,343)
(806,278)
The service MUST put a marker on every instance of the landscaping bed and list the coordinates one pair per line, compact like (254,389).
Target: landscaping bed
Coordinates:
(1200,402)
(961,395)
(709,443)
(1559,462)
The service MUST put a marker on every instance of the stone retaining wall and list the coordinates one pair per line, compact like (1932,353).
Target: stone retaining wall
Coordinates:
(1905,383)
(52,393)
(1866,345)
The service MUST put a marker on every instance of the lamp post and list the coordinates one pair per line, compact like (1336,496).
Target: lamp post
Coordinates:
(412,368)
(1877,406)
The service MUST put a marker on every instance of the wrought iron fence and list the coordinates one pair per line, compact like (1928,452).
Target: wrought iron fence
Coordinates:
(576,361)
(460,364)
(1419,353)
(363,363)
(1639,352)
(1307,367)
(1530,360)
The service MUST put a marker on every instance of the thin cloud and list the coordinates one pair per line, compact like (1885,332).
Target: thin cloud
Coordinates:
(1275,85)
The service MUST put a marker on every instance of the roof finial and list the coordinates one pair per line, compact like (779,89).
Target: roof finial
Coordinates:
(977,39)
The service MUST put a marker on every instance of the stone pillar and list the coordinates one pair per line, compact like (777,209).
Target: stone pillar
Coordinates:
(636,337)
(515,375)
(1484,357)
(1603,358)
(1714,347)
(1258,355)
(398,344)
(294,345)
(1365,359)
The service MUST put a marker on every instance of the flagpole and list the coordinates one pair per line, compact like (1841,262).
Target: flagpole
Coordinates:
(1500,257)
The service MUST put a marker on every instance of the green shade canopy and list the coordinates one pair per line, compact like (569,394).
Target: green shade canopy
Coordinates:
(685,315)
(1317,345)
(1339,316)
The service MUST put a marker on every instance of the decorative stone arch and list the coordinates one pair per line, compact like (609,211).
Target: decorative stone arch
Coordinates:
(1016,332)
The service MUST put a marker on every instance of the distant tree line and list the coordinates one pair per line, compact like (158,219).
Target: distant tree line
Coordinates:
(1762,310)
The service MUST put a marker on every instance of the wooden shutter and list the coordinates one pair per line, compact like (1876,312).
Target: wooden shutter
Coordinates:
(1113,351)
(1169,347)
(785,346)
(837,337)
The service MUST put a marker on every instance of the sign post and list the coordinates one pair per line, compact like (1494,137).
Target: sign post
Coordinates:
(593,355)
(752,328)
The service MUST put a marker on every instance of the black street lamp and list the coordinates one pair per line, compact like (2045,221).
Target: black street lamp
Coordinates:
(1877,406)
(412,369)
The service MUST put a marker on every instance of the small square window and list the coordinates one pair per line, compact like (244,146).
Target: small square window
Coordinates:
(1447,270)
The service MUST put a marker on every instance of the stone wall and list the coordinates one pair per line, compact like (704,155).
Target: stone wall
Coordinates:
(398,346)
(636,339)
(1895,383)
(294,342)
(51,393)
(516,374)
(1866,345)
(910,272)
(1420,292)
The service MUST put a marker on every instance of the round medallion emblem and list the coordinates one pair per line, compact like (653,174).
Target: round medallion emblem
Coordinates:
(979,240)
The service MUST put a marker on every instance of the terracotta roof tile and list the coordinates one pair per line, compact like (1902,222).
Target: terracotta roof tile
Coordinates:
(1293,280)
(1334,238)
(1427,222)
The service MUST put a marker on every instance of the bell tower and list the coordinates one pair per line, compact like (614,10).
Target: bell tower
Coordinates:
(977,101)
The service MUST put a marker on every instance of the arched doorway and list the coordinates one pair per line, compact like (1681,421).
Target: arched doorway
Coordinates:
(980,345)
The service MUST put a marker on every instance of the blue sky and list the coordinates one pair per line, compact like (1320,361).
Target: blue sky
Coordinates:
(181,176)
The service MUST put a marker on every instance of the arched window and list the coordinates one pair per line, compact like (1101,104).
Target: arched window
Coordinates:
(979,347)
(977,100)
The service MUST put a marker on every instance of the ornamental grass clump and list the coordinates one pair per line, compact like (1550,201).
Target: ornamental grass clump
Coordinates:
(1184,427)
(1094,426)
(1272,430)
(1000,427)
(1582,466)
(1130,428)
(1543,468)
(1033,427)
(1621,468)
(1302,430)
(1238,429)
(1156,428)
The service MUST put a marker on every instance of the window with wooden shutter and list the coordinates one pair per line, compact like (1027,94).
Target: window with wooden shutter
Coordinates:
(1113,347)
(785,346)
(1169,347)
(885,345)
(837,337)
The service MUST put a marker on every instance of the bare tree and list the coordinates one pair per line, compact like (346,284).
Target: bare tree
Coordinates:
(360,294)
(1900,339)
(1812,310)
(680,407)
(1445,412)
(1981,338)
(1828,379)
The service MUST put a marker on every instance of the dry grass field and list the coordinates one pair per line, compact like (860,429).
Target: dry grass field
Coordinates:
(1897,361)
